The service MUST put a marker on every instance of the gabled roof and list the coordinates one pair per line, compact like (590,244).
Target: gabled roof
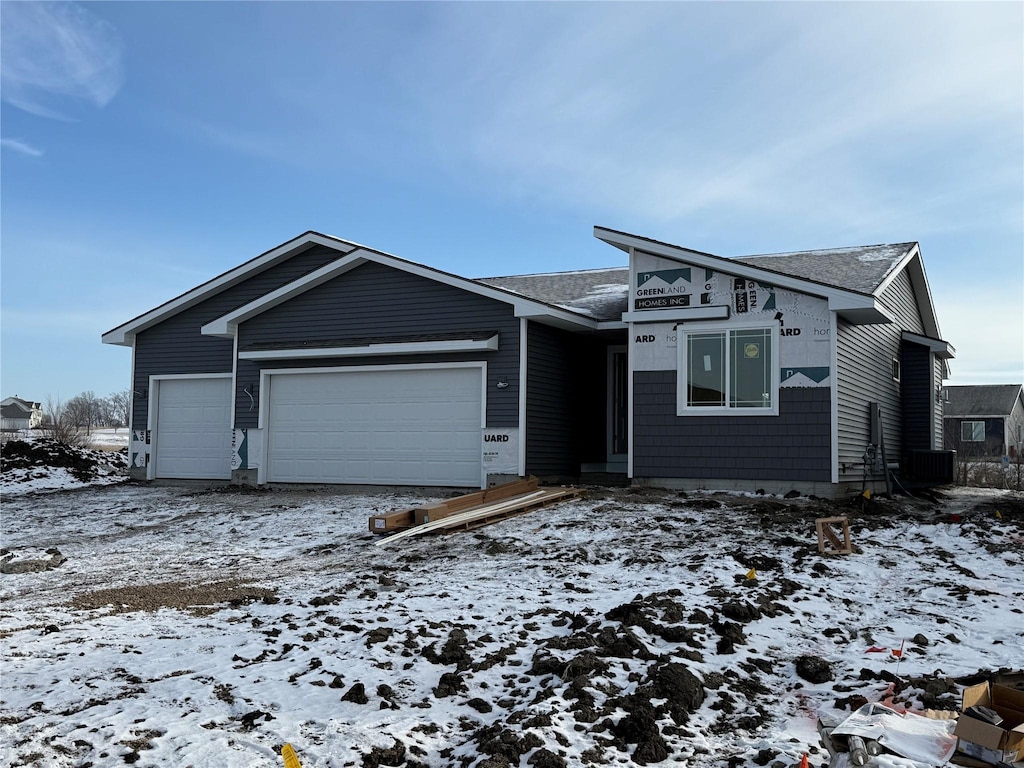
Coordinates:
(12,411)
(124,334)
(523,306)
(982,399)
(600,293)
(852,279)
(26,405)
(350,255)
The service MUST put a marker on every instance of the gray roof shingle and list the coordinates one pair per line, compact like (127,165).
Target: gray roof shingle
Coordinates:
(861,269)
(599,293)
(981,399)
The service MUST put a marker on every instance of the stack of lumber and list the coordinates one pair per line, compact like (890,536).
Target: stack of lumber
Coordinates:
(469,511)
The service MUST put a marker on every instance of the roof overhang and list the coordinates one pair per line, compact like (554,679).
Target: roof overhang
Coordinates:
(942,349)
(856,308)
(124,335)
(914,266)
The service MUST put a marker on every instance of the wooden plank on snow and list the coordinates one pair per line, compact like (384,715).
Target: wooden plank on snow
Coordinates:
(428,513)
(488,513)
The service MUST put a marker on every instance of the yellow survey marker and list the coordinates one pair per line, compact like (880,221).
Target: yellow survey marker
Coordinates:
(290,759)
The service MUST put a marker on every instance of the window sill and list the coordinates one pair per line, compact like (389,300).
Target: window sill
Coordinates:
(718,411)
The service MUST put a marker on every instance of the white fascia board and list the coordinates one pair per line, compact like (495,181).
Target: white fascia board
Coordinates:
(919,279)
(227,325)
(546,315)
(914,265)
(868,311)
(942,349)
(125,333)
(396,348)
(677,314)
(838,299)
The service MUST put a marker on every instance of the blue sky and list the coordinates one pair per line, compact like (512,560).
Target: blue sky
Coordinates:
(147,147)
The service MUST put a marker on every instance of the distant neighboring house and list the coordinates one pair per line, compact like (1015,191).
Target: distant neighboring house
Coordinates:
(20,414)
(325,361)
(985,420)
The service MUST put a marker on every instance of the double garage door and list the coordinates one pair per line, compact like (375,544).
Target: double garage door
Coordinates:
(405,427)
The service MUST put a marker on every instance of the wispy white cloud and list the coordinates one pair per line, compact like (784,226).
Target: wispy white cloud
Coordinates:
(56,54)
(20,146)
(804,111)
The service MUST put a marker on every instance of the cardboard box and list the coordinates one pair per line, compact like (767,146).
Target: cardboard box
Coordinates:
(995,744)
(393,521)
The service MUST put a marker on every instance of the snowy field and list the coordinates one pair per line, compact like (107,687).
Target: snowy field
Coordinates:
(192,627)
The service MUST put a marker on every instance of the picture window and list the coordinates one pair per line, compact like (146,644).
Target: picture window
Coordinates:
(733,371)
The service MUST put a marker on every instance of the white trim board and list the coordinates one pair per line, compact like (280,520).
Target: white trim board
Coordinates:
(383,348)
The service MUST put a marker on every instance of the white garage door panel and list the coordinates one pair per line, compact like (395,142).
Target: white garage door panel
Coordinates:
(412,427)
(193,429)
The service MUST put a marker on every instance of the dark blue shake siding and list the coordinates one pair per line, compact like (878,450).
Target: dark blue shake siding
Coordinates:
(795,445)
(376,301)
(176,346)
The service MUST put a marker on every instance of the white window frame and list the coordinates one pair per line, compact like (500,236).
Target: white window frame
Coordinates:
(972,439)
(896,370)
(682,334)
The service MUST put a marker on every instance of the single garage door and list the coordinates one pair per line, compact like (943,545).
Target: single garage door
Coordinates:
(193,429)
(403,427)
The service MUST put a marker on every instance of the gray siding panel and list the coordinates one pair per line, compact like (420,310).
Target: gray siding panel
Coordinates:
(793,446)
(864,362)
(865,354)
(900,299)
(176,346)
(379,301)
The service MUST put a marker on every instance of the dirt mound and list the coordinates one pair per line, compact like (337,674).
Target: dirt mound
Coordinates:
(82,463)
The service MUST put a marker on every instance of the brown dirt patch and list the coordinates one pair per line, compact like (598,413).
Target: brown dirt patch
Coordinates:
(199,599)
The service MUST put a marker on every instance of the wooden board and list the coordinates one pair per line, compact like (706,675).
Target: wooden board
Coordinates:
(834,536)
(426,513)
(488,513)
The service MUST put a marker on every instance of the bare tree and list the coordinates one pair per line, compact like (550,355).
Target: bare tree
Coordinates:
(120,404)
(86,410)
(60,425)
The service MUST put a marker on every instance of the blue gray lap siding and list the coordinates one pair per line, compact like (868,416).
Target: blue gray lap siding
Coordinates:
(375,300)
(176,345)
(916,385)
(793,446)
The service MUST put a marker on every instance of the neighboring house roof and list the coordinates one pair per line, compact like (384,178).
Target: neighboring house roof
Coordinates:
(982,400)
(600,293)
(12,411)
(26,405)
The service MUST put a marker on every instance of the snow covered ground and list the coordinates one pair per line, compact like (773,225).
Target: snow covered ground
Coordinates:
(194,627)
